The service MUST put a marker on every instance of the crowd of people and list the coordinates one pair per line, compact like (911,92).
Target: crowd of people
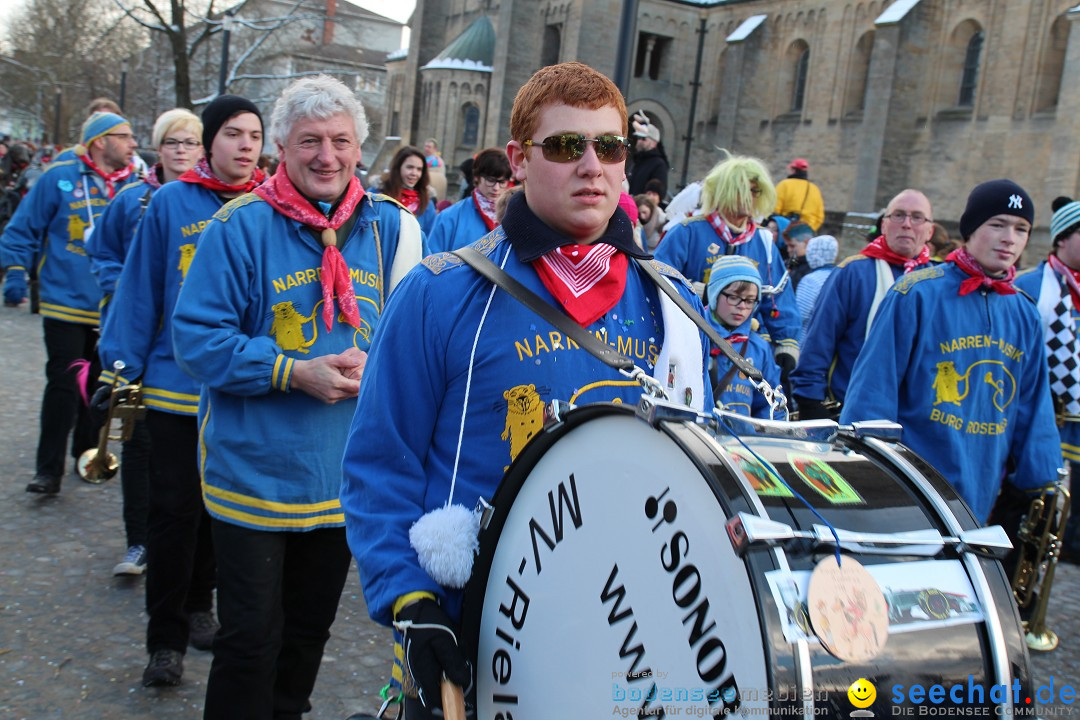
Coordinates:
(322,372)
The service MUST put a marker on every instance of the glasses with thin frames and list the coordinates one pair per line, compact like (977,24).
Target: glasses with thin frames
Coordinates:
(173,143)
(899,216)
(738,300)
(570,147)
(122,136)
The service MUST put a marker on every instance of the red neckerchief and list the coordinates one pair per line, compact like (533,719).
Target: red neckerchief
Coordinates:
(203,174)
(283,197)
(1072,277)
(110,178)
(978,277)
(410,199)
(734,339)
(880,250)
(152,178)
(587,280)
(486,208)
(721,227)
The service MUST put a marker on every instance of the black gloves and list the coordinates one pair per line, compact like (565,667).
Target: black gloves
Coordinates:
(431,650)
(99,402)
(810,409)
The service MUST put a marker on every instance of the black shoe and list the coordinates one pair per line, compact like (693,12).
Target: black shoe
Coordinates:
(47,484)
(164,669)
(202,627)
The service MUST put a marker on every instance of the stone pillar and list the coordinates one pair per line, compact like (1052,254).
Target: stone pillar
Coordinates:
(879,89)
(1061,175)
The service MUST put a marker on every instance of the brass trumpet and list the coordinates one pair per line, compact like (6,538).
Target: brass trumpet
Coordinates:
(97,465)
(1040,534)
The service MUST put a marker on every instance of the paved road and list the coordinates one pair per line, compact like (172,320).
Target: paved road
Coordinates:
(71,635)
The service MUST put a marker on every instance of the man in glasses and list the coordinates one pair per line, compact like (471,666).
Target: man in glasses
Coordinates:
(460,373)
(849,300)
(51,226)
(956,357)
(473,217)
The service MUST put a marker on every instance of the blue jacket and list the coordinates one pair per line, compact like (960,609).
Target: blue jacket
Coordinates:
(967,379)
(738,395)
(692,246)
(251,305)
(1031,282)
(138,327)
(426,218)
(109,244)
(51,225)
(837,329)
(415,408)
(457,226)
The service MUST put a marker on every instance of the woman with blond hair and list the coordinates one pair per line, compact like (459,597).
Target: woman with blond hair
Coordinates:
(735,192)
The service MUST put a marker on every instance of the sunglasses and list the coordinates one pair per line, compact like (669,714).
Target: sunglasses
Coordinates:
(570,147)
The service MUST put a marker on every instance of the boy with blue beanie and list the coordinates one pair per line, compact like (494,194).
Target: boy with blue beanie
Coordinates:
(734,294)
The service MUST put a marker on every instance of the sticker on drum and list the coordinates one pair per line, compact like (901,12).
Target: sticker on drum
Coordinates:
(609,585)
(848,610)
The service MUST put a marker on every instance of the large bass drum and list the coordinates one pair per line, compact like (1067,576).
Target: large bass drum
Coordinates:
(607,583)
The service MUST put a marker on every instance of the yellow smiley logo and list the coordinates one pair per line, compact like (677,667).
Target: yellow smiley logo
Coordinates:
(862,693)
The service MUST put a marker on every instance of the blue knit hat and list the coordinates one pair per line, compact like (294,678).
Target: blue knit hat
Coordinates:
(1066,216)
(729,269)
(100,124)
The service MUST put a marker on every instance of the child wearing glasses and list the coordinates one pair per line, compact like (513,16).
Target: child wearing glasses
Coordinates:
(734,294)
(461,374)
(473,217)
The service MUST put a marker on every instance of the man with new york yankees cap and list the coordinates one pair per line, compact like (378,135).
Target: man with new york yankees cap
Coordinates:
(956,357)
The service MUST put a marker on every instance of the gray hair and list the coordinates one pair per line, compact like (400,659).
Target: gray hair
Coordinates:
(319,97)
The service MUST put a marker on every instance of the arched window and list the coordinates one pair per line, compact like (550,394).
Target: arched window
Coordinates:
(800,54)
(470,116)
(855,97)
(552,45)
(970,78)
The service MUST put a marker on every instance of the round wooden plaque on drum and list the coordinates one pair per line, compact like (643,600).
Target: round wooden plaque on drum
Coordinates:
(848,610)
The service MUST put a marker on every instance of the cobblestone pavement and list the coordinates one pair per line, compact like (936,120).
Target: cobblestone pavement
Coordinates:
(71,635)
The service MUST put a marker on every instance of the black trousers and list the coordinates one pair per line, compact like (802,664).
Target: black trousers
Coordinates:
(180,571)
(62,407)
(278,594)
(135,483)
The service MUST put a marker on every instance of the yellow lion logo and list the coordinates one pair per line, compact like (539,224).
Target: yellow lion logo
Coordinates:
(524,417)
(76,227)
(187,254)
(947,384)
(288,327)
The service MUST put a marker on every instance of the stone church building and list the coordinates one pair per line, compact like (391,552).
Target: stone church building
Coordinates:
(877,95)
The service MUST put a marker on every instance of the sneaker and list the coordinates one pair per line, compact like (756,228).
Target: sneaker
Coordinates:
(164,669)
(134,562)
(202,627)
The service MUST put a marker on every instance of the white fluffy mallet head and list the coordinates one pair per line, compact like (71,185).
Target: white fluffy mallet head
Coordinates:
(446,541)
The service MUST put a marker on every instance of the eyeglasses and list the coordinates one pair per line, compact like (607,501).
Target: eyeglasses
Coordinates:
(173,143)
(570,147)
(738,300)
(122,136)
(899,216)
(495,182)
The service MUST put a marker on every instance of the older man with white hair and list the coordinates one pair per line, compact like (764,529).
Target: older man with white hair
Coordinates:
(274,319)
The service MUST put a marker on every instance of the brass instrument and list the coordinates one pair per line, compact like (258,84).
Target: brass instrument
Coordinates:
(1040,534)
(98,465)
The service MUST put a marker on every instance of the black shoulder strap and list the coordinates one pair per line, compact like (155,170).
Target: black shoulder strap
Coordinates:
(737,360)
(600,350)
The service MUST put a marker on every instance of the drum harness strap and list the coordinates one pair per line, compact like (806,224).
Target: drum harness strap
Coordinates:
(604,352)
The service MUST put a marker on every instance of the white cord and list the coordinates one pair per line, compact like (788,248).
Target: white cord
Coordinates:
(468,382)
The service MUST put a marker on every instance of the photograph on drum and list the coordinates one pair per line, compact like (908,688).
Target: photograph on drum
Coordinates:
(923,595)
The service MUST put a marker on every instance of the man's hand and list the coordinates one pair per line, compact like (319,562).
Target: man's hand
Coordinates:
(99,402)
(330,377)
(431,650)
(15,290)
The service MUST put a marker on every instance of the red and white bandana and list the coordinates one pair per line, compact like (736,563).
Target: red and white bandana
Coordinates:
(587,280)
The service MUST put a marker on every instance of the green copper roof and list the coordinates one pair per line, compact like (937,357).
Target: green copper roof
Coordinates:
(474,48)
